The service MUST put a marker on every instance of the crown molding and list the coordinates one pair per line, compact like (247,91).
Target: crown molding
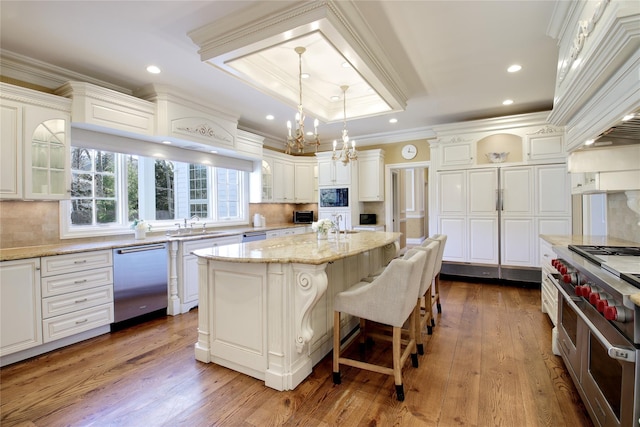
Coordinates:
(39,73)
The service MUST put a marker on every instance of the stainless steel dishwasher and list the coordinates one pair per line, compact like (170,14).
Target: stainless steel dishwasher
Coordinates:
(139,280)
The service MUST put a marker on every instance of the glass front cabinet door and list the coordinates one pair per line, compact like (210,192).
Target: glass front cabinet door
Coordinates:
(46,167)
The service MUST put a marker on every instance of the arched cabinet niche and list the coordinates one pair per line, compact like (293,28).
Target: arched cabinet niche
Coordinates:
(499,143)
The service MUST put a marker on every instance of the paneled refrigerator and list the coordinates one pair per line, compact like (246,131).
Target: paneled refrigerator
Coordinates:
(494,215)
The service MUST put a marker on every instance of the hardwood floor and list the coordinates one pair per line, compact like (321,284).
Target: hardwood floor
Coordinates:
(488,363)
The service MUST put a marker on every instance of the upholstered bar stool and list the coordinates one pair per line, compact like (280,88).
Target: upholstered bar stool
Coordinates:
(390,299)
(442,238)
(424,296)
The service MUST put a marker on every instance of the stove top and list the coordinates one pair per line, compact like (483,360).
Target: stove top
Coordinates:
(622,261)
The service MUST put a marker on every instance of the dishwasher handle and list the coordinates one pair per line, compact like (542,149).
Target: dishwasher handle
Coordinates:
(141,249)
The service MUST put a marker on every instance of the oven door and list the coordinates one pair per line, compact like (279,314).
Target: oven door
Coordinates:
(609,377)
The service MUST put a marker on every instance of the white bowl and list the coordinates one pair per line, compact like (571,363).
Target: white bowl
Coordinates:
(497,157)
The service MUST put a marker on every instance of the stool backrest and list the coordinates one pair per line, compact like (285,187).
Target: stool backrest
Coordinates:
(431,249)
(442,239)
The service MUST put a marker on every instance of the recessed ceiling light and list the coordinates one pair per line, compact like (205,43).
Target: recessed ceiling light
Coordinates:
(394,120)
(305,75)
(269,117)
(166,142)
(213,152)
(514,68)
(589,142)
(335,98)
(628,117)
(507,102)
(153,69)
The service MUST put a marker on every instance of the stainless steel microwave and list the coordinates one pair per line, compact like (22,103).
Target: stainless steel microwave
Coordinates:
(334,197)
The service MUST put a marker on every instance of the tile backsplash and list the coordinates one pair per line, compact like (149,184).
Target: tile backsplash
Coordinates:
(29,223)
(622,222)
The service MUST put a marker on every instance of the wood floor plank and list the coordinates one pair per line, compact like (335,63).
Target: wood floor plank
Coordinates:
(488,362)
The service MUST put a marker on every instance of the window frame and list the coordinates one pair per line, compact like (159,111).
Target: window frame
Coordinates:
(122,226)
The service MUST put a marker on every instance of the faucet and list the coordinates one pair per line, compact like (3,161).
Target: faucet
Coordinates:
(338,218)
(195,217)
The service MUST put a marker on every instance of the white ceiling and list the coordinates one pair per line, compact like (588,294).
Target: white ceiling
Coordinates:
(451,56)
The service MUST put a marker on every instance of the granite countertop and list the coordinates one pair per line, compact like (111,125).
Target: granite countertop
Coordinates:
(89,244)
(301,248)
(568,239)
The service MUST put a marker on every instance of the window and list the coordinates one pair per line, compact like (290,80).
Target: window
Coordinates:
(228,188)
(93,187)
(109,190)
(198,191)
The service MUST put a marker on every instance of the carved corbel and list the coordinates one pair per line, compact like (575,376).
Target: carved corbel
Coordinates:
(310,284)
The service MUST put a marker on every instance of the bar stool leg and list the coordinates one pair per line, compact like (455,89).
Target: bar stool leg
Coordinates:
(336,347)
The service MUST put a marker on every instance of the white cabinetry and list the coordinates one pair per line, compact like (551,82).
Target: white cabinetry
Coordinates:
(548,292)
(529,200)
(77,293)
(457,154)
(20,309)
(332,173)
(35,145)
(545,145)
(288,231)
(283,181)
(11,148)
(188,274)
(345,221)
(304,181)
(371,176)
(281,178)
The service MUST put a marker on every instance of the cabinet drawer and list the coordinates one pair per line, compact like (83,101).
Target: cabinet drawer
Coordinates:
(70,263)
(72,282)
(79,321)
(68,303)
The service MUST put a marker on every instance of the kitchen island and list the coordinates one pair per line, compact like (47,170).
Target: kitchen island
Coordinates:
(266,307)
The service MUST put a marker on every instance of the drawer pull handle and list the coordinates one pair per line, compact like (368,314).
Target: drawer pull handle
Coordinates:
(82,261)
(78,301)
(78,322)
(80,281)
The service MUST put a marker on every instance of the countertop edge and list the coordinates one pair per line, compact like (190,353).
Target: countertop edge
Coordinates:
(26,252)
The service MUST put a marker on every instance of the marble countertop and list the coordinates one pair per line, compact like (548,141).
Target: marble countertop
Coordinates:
(564,240)
(301,248)
(89,244)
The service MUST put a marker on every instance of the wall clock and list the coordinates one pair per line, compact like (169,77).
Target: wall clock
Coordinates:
(409,151)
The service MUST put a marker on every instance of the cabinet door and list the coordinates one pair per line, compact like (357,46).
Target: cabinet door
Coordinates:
(455,229)
(483,240)
(519,242)
(20,305)
(370,179)
(456,154)
(325,173)
(11,148)
(517,191)
(545,147)
(283,181)
(267,181)
(304,183)
(46,154)
(483,191)
(552,190)
(342,173)
(452,193)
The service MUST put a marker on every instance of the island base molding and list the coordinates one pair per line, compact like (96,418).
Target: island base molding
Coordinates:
(274,321)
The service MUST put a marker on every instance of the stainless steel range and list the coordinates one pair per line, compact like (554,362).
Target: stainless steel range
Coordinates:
(599,328)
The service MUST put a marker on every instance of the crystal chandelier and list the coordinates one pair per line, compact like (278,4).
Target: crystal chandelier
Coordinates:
(296,140)
(347,153)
